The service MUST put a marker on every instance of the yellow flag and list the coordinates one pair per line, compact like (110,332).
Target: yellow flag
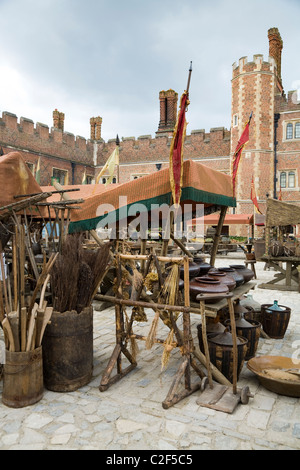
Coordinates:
(38,171)
(84,177)
(110,166)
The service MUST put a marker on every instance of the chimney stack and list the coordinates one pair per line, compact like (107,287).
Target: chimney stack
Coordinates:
(58,120)
(168,111)
(96,123)
(275,48)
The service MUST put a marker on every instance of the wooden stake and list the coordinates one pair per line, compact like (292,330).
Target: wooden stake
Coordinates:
(234,341)
(15,267)
(217,235)
(205,343)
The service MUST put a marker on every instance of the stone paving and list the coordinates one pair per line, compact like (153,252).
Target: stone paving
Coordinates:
(130,416)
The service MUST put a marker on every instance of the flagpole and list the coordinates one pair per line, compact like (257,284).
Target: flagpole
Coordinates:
(189,78)
(118,165)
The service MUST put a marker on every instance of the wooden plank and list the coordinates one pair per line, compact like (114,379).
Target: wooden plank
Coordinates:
(278,287)
(220,398)
(236,294)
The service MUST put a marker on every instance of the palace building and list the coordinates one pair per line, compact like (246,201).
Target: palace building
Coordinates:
(271,158)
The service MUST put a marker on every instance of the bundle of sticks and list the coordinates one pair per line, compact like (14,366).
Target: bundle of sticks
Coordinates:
(77,274)
(23,325)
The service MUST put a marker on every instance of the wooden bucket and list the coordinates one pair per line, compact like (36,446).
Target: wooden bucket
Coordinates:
(275,323)
(222,357)
(23,378)
(68,350)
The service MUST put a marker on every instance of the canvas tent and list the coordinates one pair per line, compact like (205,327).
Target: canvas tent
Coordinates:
(15,179)
(230,219)
(280,214)
(201,185)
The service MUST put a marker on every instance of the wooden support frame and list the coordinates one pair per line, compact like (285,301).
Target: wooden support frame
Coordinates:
(183,339)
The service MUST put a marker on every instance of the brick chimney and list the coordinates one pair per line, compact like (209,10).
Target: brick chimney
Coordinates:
(275,48)
(58,120)
(168,111)
(95,123)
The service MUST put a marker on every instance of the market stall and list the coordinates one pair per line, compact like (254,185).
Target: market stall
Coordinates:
(136,274)
(281,253)
(210,222)
(71,273)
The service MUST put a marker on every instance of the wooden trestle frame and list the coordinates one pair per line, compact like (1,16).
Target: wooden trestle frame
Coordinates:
(184,340)
(123,334)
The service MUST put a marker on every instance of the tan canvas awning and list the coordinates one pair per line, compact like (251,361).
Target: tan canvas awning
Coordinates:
(281,213)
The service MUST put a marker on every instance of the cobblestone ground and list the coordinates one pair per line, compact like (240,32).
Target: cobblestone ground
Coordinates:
(130,416)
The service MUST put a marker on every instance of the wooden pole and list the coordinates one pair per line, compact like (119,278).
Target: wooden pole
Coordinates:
(217,235)
(234,348)
(153,305)
(205,343)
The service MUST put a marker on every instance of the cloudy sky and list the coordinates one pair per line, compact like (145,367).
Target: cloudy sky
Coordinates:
(110,58)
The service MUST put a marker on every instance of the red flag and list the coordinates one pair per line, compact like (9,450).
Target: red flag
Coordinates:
(238,152)
(176,151)
(253,197)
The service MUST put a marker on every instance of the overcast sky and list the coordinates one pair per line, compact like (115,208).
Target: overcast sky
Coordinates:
(111,58)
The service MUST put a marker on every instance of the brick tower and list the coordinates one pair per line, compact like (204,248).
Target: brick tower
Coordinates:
(255,85)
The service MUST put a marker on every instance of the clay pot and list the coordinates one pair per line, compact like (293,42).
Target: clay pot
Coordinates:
(194,269)
(239,310)
(222,277)
(204,267)
(247,273)
(212,327)
(203,285)
(239,278)
(253,307)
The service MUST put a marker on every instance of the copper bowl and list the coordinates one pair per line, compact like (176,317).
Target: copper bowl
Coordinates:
(289,388)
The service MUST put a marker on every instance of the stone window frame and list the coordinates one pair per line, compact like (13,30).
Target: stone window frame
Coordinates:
(104,178)
(291,130)
(284,177)
(235,120)
(61,170)
(89,179)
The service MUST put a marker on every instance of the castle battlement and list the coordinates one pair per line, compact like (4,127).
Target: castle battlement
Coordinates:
(258,64)
(42,139)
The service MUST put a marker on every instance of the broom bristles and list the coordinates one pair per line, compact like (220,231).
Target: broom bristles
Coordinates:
(153,331)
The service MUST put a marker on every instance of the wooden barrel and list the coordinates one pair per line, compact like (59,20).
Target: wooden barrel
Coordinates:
(252,334)
(275,323)
(68,350)
(222,356)
(23,378)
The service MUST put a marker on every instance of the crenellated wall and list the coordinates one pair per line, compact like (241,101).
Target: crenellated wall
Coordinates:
(54,147)
(58,149)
